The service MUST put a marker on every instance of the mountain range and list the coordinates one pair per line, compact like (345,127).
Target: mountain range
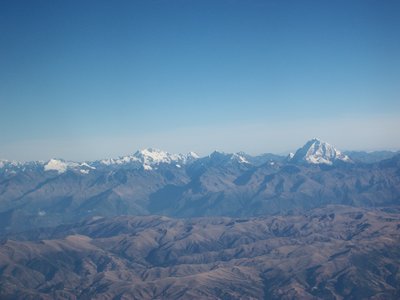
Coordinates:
(315,224)
(185,185)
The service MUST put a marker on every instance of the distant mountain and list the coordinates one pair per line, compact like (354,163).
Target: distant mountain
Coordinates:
(316,151)
(261,159)
(219,159)
(150,158)
(14,167)
(370,157)
(332,253)
(184,185)
(62,166)
(143,159)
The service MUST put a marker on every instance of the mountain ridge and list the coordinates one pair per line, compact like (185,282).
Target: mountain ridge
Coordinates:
(216,185)
(313,151)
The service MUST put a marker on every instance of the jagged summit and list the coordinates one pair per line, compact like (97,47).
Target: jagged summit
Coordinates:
(61,166)
(56,165)
(150,157)
(4,162)
(147,159)
(316,151)
(239,157)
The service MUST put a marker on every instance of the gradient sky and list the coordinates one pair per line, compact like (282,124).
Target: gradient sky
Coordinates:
(92,79)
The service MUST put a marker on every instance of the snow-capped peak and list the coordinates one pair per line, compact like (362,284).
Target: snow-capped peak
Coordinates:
(150,157)
(192,155)
(218,158)
(240,158)
(2,163)
(156,156)
(316,151)
(7,163)
(56,165)
(62,166)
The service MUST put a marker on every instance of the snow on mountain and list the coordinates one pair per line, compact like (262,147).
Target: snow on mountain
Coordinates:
(289,157)
(239,158)
(3,163)
(146,159)
(261,159)
(12,167)
(150,158)
(316,151)
(7,163)
(218,158)
(56,165)
(191,156)
(313,152)
(153,157)
(62,166)
(87,166)
(8,167)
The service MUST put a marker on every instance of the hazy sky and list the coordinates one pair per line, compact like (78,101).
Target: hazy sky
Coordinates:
(93,79)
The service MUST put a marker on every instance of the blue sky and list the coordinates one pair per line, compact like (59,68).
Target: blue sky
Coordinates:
(92,79)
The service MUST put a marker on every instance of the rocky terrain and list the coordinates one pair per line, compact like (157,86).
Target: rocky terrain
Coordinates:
(336,252)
